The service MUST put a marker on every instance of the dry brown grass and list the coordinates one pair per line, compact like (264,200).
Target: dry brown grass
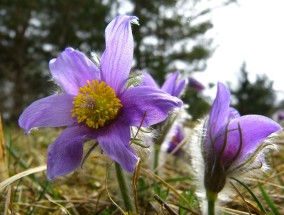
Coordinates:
(84,191)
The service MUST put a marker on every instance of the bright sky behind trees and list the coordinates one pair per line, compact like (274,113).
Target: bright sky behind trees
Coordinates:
(250,31)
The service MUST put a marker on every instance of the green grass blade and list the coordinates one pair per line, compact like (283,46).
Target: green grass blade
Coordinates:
(252,194)
(268,201)
(13,154)
(8,201)
(42,193)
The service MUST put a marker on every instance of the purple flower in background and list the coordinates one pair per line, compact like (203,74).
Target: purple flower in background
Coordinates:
(172,85)
(280,116)
(96,103)
(176,139)
(194,84)
(232,142)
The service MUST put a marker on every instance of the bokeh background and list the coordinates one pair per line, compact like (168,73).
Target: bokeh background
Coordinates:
(173,35)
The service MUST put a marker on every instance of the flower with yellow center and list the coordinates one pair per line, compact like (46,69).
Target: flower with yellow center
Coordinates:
(96,104)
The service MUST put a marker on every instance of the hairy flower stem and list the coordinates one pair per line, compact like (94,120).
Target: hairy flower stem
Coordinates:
(156,158)
(124,188)
(211,199)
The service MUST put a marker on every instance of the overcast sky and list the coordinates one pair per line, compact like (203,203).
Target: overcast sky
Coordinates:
(250,31)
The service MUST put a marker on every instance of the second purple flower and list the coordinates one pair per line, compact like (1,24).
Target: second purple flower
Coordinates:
(232,143)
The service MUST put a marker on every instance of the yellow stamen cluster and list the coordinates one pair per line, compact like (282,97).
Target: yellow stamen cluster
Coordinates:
(96,104)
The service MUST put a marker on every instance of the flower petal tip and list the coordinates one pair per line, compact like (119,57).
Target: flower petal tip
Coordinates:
(69,49)
(24,125)
(27,132)
(130,168)
(50,177)
(134,20)
(131,164)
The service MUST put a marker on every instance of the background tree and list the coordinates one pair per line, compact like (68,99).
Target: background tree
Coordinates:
(254,98)
(169,39)
(34,31)
(198,106)
(31,33)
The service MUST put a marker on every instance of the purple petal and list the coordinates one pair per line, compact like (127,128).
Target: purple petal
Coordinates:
(65,154)
(193,83)
(233,113)
(280,115)
(169,84)
(179,87)
(52,111)
(114,142)
(117,58)
(254,130)
(156,103)
(178,136)
(71,69)
(172,86)
(148,81)
(219,114)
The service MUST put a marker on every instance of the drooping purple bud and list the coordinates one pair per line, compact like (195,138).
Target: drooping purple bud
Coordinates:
(232,142)
(194,84)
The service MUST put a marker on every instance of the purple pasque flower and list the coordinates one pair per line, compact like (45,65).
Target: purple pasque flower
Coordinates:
(280,115)
(96,103)
(232,143)
(172,85)
(176,139)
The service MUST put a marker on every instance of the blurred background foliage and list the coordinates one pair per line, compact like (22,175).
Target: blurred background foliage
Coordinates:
(171,36)
(255,97)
